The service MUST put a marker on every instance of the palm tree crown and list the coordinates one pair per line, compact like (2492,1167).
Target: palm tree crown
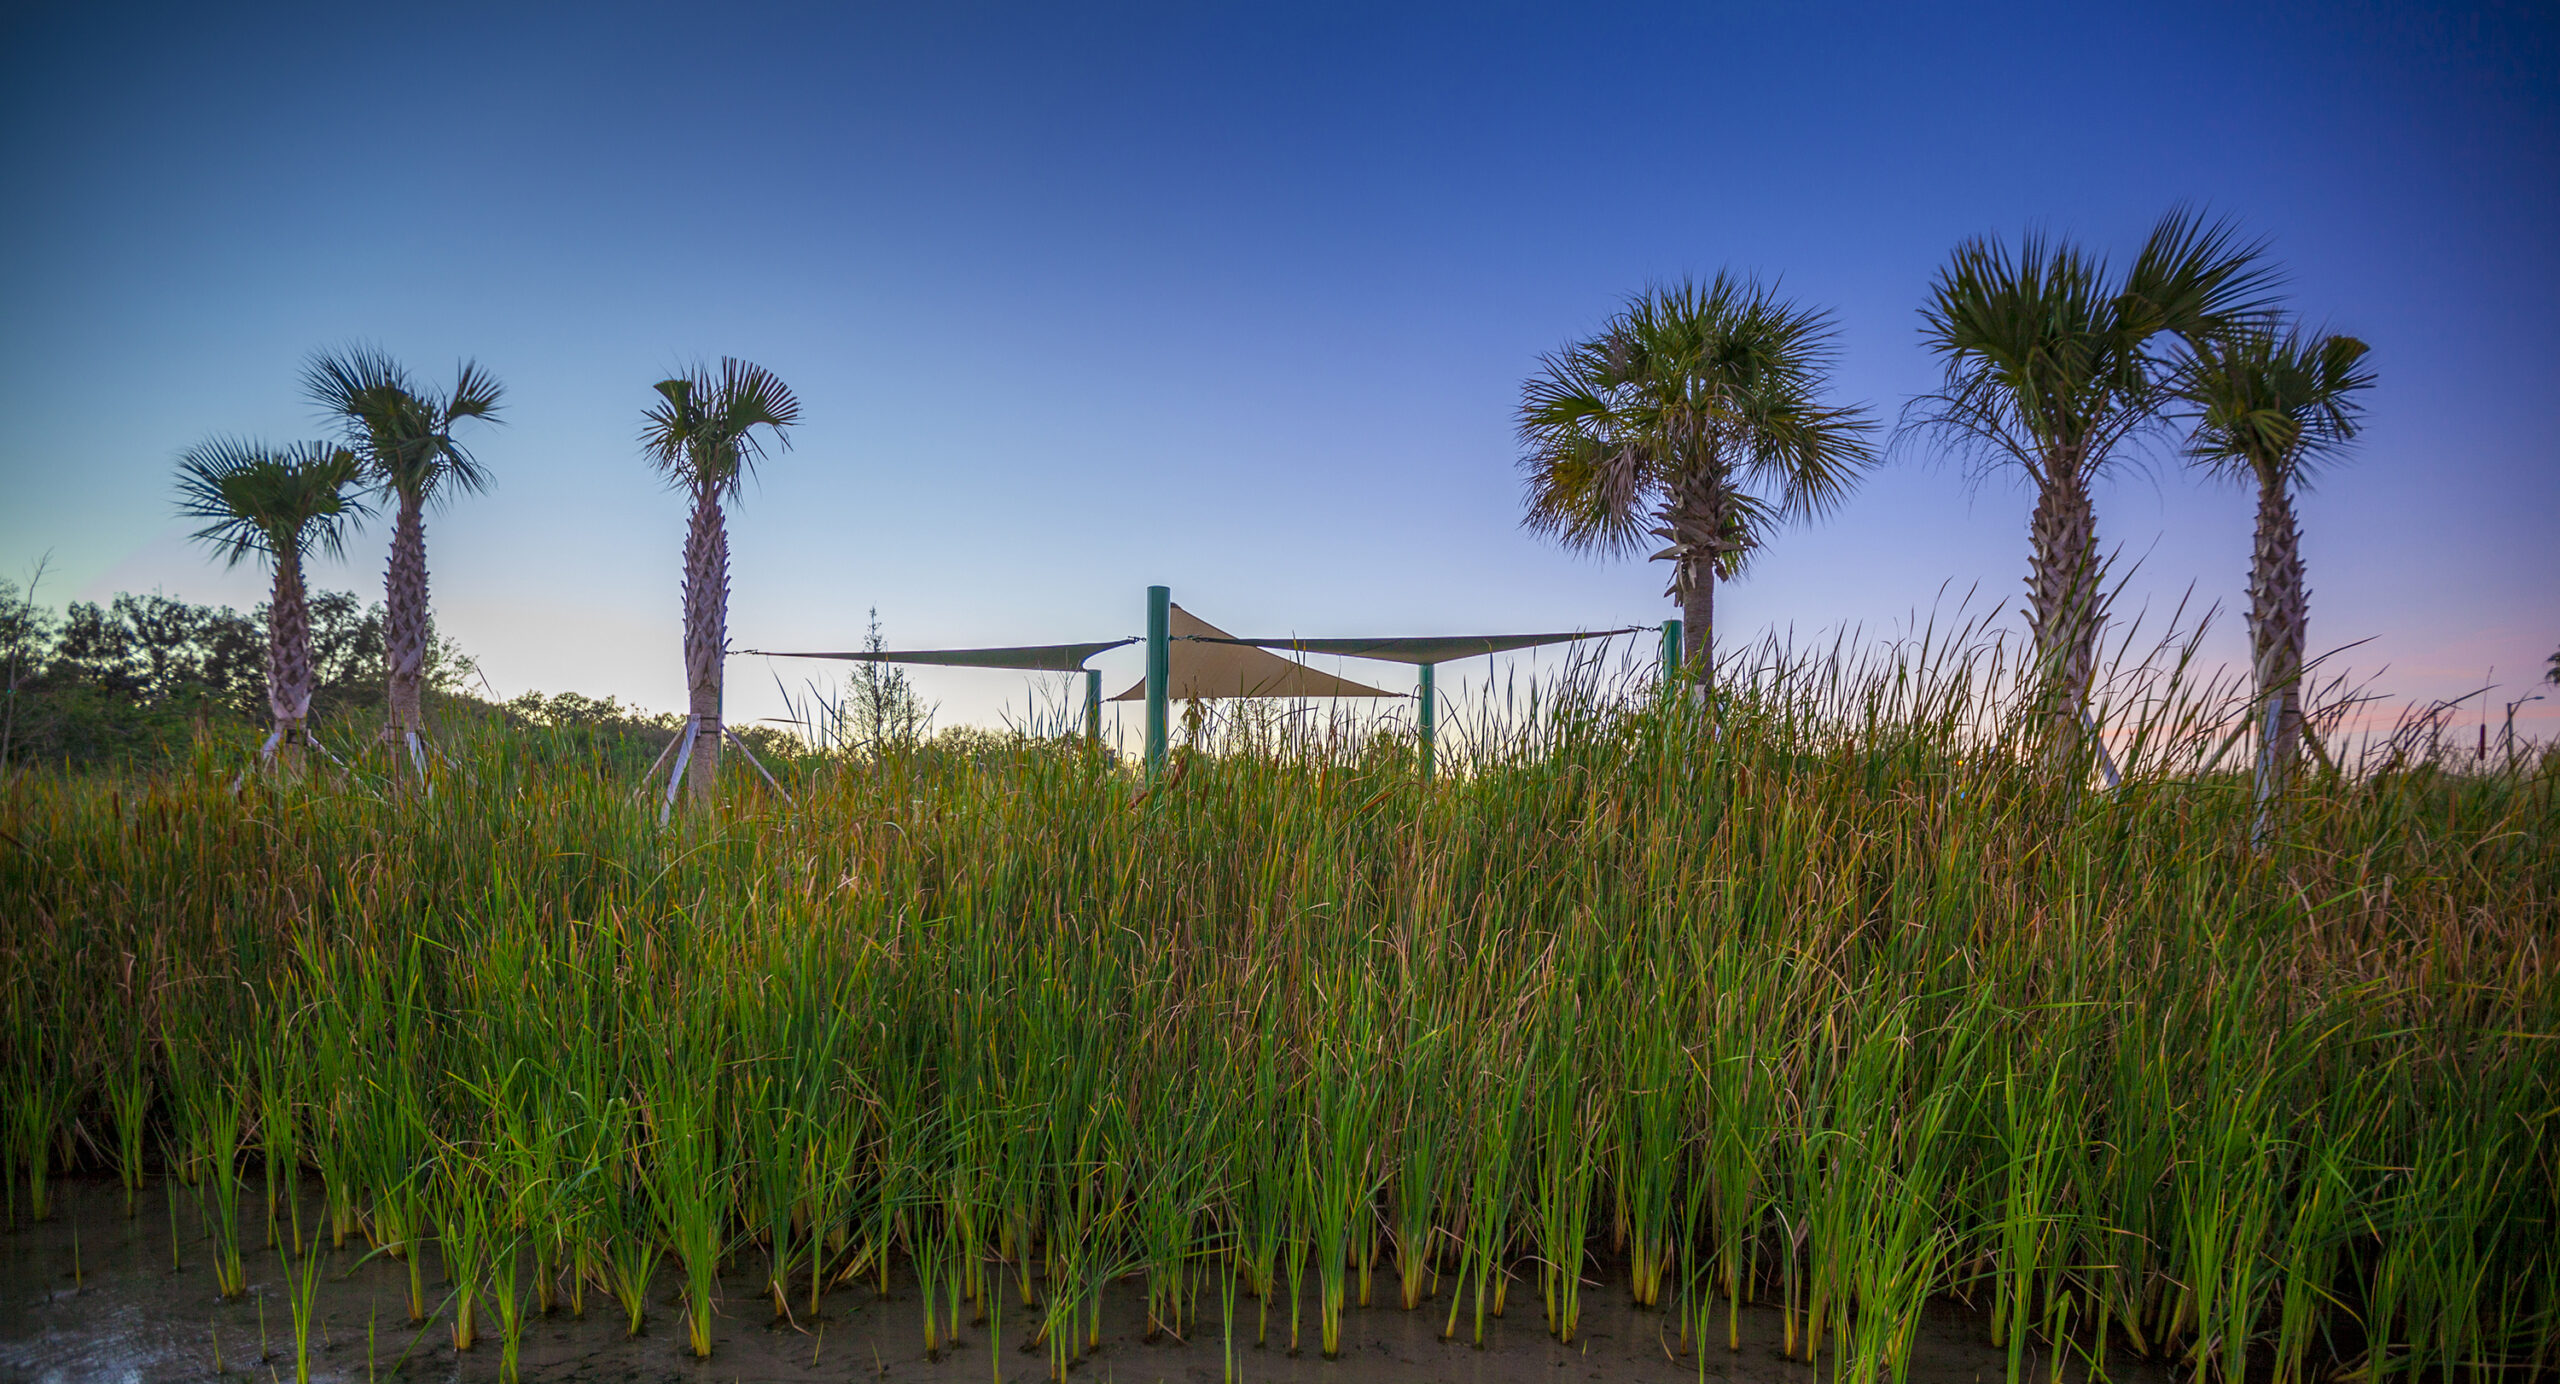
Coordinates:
(279,503)
(2051,363)
(2273,406)
(1695,418)
(275,502)
(701,432)
(404,433)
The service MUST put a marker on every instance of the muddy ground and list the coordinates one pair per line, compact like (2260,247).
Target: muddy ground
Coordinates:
(92,1296)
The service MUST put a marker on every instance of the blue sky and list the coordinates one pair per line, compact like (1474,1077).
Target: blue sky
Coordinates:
(1234,299)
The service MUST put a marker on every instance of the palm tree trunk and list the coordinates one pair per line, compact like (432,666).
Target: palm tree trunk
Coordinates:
(1695,521)
(289,674)
(706,635)
(2063,598)
(404,623)
(1698,620)
(2279,616)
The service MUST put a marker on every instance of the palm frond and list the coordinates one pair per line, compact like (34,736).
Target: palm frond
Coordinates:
(1691,389)
(404,433)
(2194,278)
(353,382)
(2273,404)
(1586,484)
(476,394)
(701,432)
(273,501)
(2051,360)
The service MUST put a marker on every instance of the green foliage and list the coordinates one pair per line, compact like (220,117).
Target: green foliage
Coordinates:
(1694,418)
(1709,388)
(2052,359)
(881,711)
(702,430)
(569,728)
(403,433)
(2269,404)
(279,502)
(134,681)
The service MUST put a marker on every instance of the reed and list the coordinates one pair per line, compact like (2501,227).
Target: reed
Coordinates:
(1729,1201)
(44,1087)
(209,1114)
(522,1155)
(276,1081)
(688,1172)
(470,1235)
(130,1093)
(1419,1181)
(630,1244)
(302,1265)
(328,1098)
(2036,1112)
(1498,1117)
(1650,1155)
(1178,1185)
(1831,995)
(1568,1166)
(1339,1171)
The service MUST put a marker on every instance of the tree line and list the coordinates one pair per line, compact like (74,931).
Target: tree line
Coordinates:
(137,678)
(1694,423)
(124,679)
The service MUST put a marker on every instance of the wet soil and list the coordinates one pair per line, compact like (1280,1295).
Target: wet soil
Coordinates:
(89,1295)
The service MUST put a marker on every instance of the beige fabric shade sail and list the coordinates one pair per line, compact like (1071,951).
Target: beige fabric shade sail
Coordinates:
(1204,670)
(1429,648)
(1036,658)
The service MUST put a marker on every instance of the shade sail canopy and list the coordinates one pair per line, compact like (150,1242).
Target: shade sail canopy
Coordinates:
(1039,658)
(1425,648)
(1209,663)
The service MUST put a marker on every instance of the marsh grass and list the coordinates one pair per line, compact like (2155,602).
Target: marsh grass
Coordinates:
(1838,1001)
(303,1264)
(43,1086)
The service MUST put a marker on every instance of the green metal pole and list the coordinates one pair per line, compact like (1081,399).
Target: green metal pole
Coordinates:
(1672,661)
(1427,722)
(1159,670)
(1093,705)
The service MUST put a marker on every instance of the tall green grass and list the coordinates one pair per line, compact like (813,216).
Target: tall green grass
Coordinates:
(1838,1004)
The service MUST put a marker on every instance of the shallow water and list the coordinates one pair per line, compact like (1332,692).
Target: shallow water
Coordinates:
(91,1296)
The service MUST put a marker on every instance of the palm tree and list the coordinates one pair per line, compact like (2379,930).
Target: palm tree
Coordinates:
(2271,407)
(1693,417)
(2052,364)
(405,436)
(281,502)
(701,433)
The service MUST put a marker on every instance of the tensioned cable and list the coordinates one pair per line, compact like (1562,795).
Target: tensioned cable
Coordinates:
(1038,658)
(1427,648)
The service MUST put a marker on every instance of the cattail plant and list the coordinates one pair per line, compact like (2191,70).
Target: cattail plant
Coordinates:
(687,1170)
(130,1092)
(1838,1002)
